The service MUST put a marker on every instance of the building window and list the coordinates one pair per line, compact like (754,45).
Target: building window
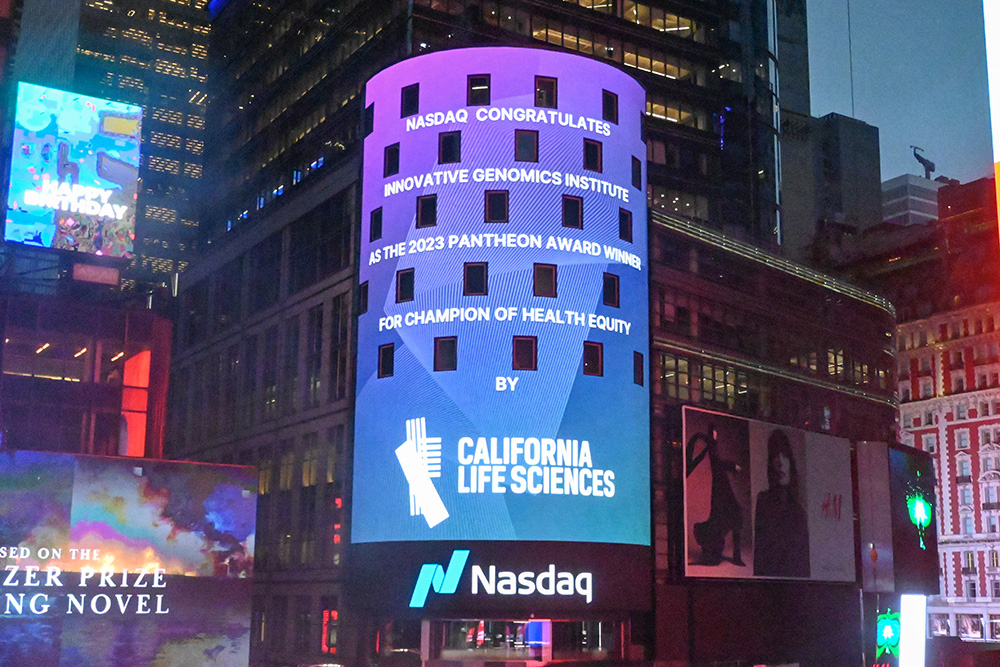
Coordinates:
(545,280)
(971,588)
(959,385)
(962,440)
(478,94)
(625,225)
(391,160)
(449,147)
(609,106)
(404,285)
(995,562)
(386,359)
(967,526)
(526,145)
(409,102)
(572,211)
(546,94)
(593,155)
(638,369)
(925,388)
(968,560)
(611,296)
(593,358)
(964,467)
(636,173)
(368,121)
(363,298)
(375,225)
(962,411)
(474,281)
(427,210)
(446,353)
(930,443)
(497,206)
(966,495)
(525,353)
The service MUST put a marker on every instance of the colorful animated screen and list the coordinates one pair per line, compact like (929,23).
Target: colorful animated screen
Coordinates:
(123,561)
(74,168)
(762,500)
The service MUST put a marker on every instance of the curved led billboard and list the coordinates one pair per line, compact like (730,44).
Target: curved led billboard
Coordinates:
(73,172)
(502,358)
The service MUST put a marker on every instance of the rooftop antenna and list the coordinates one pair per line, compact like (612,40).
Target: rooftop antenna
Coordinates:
(927,164)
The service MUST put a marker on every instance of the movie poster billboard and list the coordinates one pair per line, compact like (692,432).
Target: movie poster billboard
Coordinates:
(73,172)
(766,501)
(124,561)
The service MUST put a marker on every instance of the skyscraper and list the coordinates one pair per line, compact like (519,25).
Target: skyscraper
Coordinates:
(152,53)
(287,82)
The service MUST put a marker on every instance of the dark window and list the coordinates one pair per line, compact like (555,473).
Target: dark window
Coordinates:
(572,211)
(363,298)
(625,225)
(497,206)
(593,358)
(449,147)
(386,357)
(545,280)
(375,228)
(369,119)
(636,173)
(409,102)
(404,285)
(638,368)
(474,282)
(525,353)
(611,297)
(391,165)
(526,145)
(593,157)
(479,90)
(446,353)
(545,92)
(609,106)
(427,210)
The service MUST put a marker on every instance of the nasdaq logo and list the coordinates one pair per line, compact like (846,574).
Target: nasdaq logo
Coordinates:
(443,581)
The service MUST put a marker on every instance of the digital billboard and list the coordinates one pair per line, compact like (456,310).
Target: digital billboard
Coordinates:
(913,508)
(73,172)
(502,359)
(124,561)
(766,501)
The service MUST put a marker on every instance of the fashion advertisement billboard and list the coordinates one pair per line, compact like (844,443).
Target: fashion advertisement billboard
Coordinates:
(766,501)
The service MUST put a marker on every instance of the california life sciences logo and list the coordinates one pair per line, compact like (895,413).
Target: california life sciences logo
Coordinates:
(445,581)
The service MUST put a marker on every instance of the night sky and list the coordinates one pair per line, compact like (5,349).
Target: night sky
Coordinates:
(919,76)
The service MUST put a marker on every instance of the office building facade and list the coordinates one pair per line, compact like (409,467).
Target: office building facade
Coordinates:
(153,54)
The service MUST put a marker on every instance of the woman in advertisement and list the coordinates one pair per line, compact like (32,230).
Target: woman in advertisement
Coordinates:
(725,514)
(781,528)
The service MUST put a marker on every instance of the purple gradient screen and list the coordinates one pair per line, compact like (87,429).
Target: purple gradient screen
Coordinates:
(502,373)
